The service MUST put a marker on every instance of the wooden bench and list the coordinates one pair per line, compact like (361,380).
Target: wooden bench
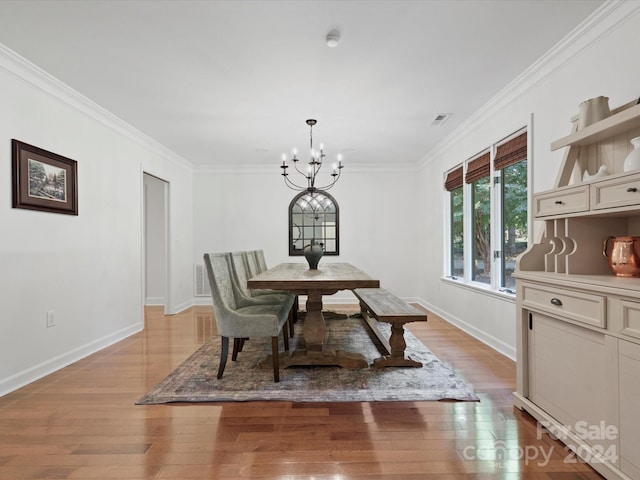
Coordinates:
(386,307)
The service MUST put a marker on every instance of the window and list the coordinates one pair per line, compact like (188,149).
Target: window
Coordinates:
(511,163)
(478,176)
(454,184)
(492,202)
(313,217)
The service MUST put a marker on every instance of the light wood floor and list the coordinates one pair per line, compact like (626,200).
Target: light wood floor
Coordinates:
(81,423)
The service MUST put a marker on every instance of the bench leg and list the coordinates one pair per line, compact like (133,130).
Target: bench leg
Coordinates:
(398,345)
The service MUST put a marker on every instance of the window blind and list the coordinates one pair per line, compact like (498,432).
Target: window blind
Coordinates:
(454,179)
(511,152)
(478,168)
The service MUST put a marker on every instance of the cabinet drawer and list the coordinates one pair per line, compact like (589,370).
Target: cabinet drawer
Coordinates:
(617,192)
(560,202)
(624,316)
(581,307)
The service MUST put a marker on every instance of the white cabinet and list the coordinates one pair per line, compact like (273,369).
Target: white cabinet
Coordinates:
(571,391)
(578,330)
(629,393)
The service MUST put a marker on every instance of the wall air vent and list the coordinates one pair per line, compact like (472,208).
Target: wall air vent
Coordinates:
(201,283)
(439,119)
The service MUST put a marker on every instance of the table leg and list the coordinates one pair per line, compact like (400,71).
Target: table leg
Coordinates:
(314,351)
(314,328)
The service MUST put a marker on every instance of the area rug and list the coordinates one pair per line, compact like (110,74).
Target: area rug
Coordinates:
(195,379)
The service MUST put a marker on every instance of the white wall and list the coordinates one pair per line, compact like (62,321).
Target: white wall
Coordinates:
(602,61)
(87,268)
(245,211)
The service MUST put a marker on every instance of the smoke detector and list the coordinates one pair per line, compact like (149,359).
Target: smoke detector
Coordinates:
(333,38)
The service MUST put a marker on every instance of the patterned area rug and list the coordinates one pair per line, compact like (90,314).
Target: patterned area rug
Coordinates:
(195,380)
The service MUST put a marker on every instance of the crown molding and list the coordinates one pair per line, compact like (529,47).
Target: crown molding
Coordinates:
(609,16)
(32,75)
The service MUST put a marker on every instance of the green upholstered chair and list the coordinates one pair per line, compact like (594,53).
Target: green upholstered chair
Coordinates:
(260,260)
(240,270)
(261,266)
(246,296)
(240,322)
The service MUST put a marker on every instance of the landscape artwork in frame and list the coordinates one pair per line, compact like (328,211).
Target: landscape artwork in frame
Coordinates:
(43,180)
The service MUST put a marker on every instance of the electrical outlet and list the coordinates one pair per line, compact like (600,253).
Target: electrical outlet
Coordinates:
(51,318)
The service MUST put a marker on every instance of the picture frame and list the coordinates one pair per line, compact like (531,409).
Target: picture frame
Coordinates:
(43,180)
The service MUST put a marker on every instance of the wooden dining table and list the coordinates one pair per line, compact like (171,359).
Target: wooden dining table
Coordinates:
(327,279)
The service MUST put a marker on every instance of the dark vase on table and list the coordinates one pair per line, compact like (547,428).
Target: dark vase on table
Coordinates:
(313,253)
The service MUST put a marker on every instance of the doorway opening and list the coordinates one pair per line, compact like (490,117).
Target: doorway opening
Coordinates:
(156,241)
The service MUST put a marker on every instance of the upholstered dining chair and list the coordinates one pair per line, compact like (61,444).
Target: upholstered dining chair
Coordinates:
(261,266)
(260,260)
(245,296)
(252,261)
(238,322)
(241,273)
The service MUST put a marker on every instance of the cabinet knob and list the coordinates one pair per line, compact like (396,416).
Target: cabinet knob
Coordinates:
(558,202)
(632,189)
(556,301)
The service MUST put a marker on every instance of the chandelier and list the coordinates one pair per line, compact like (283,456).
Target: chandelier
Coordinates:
(315,164)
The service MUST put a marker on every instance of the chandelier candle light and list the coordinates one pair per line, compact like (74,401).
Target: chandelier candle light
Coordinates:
(315,164)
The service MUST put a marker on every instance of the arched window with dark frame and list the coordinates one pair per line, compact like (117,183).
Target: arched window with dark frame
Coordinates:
(314,217)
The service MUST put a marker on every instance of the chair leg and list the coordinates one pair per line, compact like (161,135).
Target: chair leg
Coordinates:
(224,353)
(237,347)
(241,346)
(276,358)
(290,323)
(296,306)
(285,336)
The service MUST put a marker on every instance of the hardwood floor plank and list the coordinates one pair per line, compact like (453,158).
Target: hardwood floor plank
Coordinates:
(82,422)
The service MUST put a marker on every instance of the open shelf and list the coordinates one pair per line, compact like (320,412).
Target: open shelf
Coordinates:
(615,124)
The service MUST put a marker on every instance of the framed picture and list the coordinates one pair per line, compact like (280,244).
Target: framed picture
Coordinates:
(43,180)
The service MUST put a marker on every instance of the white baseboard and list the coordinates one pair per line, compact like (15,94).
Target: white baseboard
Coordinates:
(197,301)
(154,301)
(36,372)
(181,307)
(489,340)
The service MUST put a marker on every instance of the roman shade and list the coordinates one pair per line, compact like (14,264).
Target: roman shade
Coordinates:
(511,152)
(478,168)
(454,179)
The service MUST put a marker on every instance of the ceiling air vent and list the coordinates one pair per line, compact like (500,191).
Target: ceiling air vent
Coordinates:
(440,119)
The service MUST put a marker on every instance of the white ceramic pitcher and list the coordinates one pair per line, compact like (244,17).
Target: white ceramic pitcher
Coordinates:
(593,110)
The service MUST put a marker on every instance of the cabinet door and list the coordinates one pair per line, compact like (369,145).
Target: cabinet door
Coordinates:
(629,374)
(567,371)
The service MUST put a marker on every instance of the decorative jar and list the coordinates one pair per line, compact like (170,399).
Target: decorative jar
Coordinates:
(592,111)
(313,253)
(632,162)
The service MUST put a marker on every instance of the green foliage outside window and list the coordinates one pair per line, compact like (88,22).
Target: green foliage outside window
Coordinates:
(457,232)
(514,218)
(481,199)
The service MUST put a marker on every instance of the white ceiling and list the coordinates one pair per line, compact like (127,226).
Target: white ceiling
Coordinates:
(232,82)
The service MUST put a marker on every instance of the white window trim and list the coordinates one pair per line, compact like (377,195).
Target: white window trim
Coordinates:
(466,282)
